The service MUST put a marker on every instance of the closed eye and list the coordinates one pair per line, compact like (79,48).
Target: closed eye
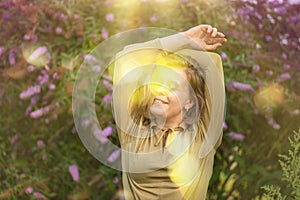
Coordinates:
(173,85)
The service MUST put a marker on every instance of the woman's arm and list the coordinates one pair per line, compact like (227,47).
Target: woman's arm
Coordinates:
(201,37)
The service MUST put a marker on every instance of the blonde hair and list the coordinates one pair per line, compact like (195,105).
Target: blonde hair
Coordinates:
(142,98)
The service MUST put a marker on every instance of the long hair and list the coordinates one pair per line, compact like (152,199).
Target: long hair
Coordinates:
(198,115)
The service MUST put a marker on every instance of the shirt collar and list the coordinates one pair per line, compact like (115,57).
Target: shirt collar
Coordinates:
(181,127)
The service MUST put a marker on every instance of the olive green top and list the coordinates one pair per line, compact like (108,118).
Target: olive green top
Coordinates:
(166,163)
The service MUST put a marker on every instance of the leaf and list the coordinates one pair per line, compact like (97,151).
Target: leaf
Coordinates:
(17,71)
(95,179)
(6,194)
(69,88)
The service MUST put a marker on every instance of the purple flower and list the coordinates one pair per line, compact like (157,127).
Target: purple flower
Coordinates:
(14,139)
(91,59)
(48,28)
(30,36)
(283,77)
(96,68)
(116,180)
(276,126)
(2,50)
(269,72)
(43,79)
(86,121)
(30,68)
(37,53)
(114,156)
(26,37)
(62,16)
(6,16)
(294,2)
(28,190)
(34,100)
(55,75)
(239,86)
(12,56)
(36,114)
(274,3)
(107,131)
(241,11)
(286,66)
(34,37)
(256,68)
(107,85)
(28,110)
(104,33)
(99,135)
(51,86)
(107,98)
(39,195)
(268,38)
(280,10)
(223,55)
(225,127)
(58,30)
(258,16)
(73,169)
(40,144)
(293,19)
(273,123)
(284,41)
(109,17)
(284,56)
(40,112)
(30,91)
(107,77)
(236,136)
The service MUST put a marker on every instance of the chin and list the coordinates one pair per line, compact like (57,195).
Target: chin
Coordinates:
(157,110)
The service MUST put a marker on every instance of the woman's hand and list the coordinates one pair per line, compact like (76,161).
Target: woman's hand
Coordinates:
(207,37)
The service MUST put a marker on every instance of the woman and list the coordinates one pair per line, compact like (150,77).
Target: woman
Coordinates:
(163,108)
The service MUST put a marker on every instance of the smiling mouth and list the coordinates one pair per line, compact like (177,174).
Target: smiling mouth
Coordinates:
(159,101)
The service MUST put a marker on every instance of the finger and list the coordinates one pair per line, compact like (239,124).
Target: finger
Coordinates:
(214,32)
(219,34)
(219,40)
(213,46)
(209,29)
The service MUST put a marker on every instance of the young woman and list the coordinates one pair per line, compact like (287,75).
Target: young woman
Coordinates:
(168,105)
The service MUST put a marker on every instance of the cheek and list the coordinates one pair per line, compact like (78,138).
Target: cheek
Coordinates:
(175,102)
(182,96)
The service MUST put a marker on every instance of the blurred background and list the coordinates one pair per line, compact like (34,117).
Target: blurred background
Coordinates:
(43,43)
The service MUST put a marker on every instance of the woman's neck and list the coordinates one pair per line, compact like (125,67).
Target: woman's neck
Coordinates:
(174,122)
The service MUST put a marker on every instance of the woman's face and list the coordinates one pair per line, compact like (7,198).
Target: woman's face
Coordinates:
(172,95)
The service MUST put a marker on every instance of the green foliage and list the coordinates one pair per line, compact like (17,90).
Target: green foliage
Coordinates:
(70,29)
(290,166)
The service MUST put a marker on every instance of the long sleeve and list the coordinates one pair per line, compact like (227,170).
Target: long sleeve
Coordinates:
(188,176)
(127,74)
